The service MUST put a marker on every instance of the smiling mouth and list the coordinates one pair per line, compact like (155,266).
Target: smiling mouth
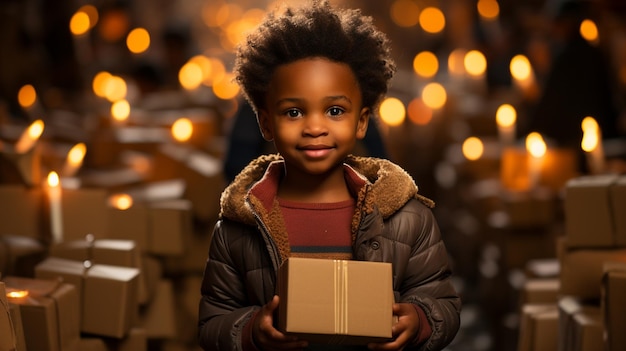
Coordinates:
(316,151)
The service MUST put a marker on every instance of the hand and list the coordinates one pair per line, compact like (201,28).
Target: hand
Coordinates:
(404,331)
(268,338)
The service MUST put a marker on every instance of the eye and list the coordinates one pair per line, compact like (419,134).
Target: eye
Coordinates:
(293,113)
(335,111)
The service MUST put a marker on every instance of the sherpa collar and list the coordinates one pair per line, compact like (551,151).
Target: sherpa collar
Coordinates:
(388,187)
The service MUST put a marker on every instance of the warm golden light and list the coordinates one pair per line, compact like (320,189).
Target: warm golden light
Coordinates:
(488,9)
(473,148)
(26,96)
(425,64)
(432,20)
(392,111)
(404,13)
(418,112)
(226,88)
(92,13)
(115,88)
(53,179)
(79,23)
(16,294)
(121,201)
(99,83)
(591,134)
(434,95)
(76,154)
(114,25)
(120,110)
(182,129)
(216,73)
(455,62)
(475,63)
(506,115)
(589,30)
(29,137)
(138,40)
(190,76)
(535,145)
(520,67)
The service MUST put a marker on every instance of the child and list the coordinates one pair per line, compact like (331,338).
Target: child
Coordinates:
(314,76)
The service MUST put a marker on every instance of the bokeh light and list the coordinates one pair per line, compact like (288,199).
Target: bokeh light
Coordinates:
(418,112)
(425,64)
(27,96)
(488,9)
(432,20)
(392,111)
(434,95)
(473,148)
(404,13)
(475,63)
(138,40)
(182,129)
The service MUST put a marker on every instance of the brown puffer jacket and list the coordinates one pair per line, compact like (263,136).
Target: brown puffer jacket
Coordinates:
(392,223)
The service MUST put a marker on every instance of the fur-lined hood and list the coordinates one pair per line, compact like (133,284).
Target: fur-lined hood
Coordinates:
(390,186)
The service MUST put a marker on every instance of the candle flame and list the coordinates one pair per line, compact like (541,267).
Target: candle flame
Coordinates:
(506,115)
(30,135)
(591,134)
(17,294)
(121,201)
(535,145)
(53,179)
(182,129)
(76,154)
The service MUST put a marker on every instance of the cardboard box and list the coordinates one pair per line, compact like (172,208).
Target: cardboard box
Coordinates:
(50,313)
(336,301)
(589,213)
(113,252)
(18,325)
(17,201)
(613,305)
(582,270)
(158,319)
(20,254)
(618,203)
(130,224)
(108,294)
(136,340)
(171,226)
(84,212)
(540,291)
(580,325)
(538,327)
(8,337)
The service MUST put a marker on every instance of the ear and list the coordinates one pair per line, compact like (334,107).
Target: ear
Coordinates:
(265,125)
(361,127)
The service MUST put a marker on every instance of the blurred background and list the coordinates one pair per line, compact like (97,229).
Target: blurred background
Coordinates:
(486,113)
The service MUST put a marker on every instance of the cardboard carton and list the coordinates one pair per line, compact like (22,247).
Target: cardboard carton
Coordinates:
(581,270)
(84,212)
(580,325)
(8,338)
(50,313)
(538,327)
(540,291)
(589,212)
(108,294)
(17,201)
(613,305)
(618,204)
(336,301)
(20,254)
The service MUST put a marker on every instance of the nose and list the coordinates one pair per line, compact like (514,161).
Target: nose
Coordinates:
(315,125)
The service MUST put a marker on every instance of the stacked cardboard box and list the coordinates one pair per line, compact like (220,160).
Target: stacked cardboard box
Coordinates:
(592,257)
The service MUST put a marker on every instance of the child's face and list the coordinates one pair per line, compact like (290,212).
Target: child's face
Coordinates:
(314,114)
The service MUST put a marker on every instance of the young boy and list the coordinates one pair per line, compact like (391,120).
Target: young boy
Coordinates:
(314,76)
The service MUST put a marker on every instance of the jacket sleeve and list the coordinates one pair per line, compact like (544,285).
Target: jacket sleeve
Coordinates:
(427,276)
(224,308)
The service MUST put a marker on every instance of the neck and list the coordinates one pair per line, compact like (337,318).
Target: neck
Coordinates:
(314,188)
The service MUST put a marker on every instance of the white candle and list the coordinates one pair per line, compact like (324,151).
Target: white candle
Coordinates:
(29,137)
(536,149)
(56,215)
(74,159)
(592,145)
(505,119)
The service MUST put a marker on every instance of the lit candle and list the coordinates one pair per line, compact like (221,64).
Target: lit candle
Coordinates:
(56,215)
(592,145)
(505,119)
(16,296)
(29,137)
(537,148)
(74,159)
(523,75)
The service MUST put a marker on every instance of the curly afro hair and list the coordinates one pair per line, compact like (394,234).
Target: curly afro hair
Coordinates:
(340,35)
